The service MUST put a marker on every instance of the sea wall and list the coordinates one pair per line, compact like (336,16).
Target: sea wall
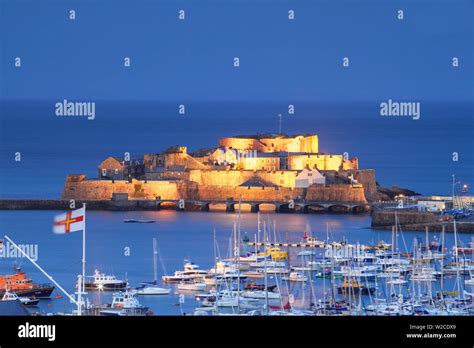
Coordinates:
(103,189)
(418,221)
(336,193)
(387,218)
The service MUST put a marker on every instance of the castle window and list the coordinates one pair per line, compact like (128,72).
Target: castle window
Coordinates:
(104,172)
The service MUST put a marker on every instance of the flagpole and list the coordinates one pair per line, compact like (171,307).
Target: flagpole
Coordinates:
(84,250)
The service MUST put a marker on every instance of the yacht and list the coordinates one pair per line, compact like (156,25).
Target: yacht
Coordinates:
(192,286)
(101,281)
(150,289)
(190,272)
(295,277)
(261,294)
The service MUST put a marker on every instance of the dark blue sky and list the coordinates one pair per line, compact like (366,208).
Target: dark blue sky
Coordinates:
(281,60)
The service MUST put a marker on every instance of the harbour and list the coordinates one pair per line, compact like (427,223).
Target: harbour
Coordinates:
(125,251)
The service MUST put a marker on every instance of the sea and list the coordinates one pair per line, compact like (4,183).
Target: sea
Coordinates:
(414,154)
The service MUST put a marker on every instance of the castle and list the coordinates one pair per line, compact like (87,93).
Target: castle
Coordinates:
(255,167)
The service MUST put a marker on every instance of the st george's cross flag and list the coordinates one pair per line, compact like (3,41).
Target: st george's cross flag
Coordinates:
(70,221)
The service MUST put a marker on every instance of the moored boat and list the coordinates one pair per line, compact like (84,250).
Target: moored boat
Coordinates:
(26,301)
(124,304)
(23,286)
(101,281)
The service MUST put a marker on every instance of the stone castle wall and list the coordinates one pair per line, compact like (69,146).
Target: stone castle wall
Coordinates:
(83,189)
(336,193)
(238,177)
(103,189)
(297,144)
(249,194)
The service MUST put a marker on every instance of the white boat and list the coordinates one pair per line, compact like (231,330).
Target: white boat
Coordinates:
(101,281)
(190,271)
(425,275)
(263,264)
(176,278)
(152,290)
(397,281)
(364,272)
(274,270)
(306,253)
(123,304)
(396,269)
(11,296)
(295,277)
(260,294)
(221,302)
(189,286)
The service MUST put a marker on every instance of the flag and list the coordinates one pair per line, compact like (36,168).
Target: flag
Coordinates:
(70,221)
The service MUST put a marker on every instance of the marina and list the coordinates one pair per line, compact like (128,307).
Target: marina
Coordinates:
(309,265)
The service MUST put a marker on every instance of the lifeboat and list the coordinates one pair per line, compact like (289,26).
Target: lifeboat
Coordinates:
(23,286)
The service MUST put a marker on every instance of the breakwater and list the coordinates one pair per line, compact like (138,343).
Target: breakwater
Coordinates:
(417,221)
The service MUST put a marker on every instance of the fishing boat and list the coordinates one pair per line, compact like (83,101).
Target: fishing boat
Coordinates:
(124,304)
(26,301)
(101,281)
(23,286)
(295,277)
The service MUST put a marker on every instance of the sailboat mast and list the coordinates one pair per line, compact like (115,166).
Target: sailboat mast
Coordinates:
(265,266)
(155,262)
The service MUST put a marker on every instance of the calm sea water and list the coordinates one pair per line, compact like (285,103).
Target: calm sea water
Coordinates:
(187,235)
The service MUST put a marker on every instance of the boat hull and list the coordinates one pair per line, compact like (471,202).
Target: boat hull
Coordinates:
(106,287)
(41,292)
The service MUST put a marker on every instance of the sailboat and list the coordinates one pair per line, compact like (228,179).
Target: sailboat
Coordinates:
(150,288)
